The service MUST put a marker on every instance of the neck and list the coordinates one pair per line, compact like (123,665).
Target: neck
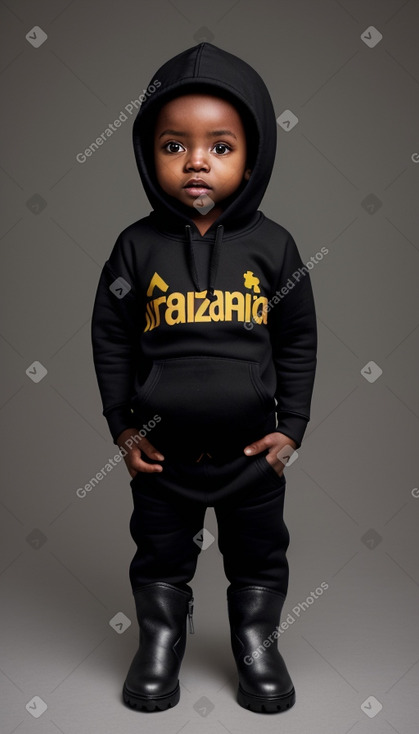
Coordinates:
(204,222)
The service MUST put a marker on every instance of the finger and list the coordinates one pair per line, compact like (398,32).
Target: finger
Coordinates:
(155,453)
(256,447)
(276,463)
(151,450)
(145,468)
(135,462)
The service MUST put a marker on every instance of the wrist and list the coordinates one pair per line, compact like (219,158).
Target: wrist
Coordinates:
(126,434)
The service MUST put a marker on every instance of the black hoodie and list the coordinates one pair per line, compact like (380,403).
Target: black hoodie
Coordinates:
(206,342)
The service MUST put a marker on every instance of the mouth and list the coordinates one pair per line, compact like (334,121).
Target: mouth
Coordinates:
(197,187)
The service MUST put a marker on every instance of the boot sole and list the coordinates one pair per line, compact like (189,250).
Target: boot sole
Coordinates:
(264,705)
(145,703)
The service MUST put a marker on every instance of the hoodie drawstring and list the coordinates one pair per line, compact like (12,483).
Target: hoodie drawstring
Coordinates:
(213,268)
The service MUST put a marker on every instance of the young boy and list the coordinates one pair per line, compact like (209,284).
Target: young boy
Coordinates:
(204,338)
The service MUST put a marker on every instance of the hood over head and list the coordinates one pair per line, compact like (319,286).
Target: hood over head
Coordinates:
(205,68)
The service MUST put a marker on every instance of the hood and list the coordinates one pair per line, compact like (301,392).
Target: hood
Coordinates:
(202,68)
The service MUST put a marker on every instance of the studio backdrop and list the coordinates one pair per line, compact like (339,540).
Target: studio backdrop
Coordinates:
(344,81)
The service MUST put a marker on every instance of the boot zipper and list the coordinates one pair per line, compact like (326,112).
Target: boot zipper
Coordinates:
(190,613)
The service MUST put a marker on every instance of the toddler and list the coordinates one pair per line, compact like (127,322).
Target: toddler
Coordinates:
(204,340)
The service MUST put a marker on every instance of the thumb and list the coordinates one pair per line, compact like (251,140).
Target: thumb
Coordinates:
(151,450)
(254,448)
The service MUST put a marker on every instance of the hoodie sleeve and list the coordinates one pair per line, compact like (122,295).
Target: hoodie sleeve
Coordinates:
(114,340)
(294,342)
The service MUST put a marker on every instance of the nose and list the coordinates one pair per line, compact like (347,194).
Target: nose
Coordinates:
(197,160)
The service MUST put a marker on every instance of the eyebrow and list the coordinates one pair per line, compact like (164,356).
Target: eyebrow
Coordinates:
(213,133)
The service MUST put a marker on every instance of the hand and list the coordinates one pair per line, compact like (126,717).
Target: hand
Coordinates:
(134,444)
(275,442)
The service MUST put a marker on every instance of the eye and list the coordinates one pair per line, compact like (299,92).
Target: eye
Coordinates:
(222,148)
(172,147)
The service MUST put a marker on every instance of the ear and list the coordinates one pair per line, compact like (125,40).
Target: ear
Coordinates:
(247,173)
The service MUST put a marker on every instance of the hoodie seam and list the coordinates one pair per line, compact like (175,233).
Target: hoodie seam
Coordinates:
(198,60)
(283,271)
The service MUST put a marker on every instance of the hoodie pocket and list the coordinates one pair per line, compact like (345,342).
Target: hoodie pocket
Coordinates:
(268,470)
(205,395)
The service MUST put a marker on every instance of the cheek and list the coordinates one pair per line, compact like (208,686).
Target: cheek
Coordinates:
(166,176)
(237,177)
(164,165)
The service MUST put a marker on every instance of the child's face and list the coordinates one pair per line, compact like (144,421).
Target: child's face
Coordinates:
(199,136)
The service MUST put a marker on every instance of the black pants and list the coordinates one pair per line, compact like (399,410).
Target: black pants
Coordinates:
(169,509)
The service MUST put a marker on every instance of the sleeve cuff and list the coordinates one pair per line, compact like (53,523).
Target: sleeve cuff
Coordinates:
(119,419)
(292,425)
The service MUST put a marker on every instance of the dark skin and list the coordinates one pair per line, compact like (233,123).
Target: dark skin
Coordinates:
(199,136)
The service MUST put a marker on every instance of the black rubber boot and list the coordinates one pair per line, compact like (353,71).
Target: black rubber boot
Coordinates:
(264,682)
(152,682)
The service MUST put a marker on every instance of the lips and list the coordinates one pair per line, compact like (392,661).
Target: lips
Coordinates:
(196,183)
(196,187)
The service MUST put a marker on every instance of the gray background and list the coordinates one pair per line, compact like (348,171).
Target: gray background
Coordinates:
(351,504)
